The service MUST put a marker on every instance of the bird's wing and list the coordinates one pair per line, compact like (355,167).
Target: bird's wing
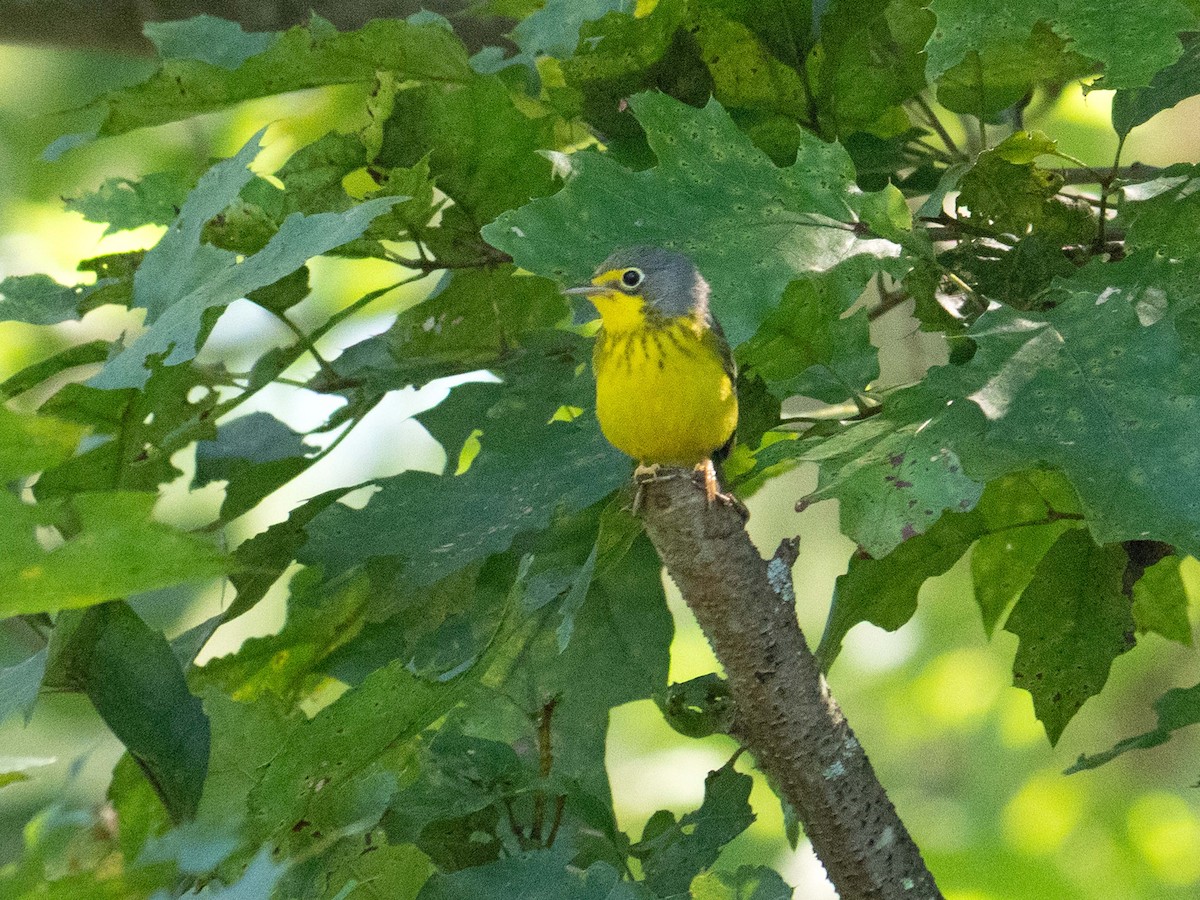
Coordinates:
(722,346)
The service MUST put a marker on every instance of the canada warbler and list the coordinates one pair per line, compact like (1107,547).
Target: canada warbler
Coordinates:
(664,372)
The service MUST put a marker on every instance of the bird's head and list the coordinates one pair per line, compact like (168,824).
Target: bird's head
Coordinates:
(645,282)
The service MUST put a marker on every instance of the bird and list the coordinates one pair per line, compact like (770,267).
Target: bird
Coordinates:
(665,376)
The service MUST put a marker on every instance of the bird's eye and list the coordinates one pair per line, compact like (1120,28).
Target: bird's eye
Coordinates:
(632,277)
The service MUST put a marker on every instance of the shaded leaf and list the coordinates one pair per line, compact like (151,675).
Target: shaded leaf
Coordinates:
(1134,106)
(207,39)
(19,685)
(1072,621)
(1133,38)
(181,277)
(123,203)
(673,853)
(509,487)
(255,454)
(40,300)
(132,678)
(747,883)
(545,873)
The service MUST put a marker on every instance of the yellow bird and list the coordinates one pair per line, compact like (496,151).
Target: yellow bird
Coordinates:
(665,376)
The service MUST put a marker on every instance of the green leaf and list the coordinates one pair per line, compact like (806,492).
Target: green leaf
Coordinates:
(290,663)
(369,868)
(1132,107)
(216,279)
(31,376)
(246,739)
(306,56)
(1003,564)
(892,476)
(698,707)
(181,277)
(324,782)
(870,62)
(114,549)
(808,346)
(621,635)
(256,883)
(747,883)
(492,160)
(32,443)
(132,678)
(1004,71)
(545,873)
(528,468)
(1089,387)
(255,455)
(674,853)
(554,29)
(750,227)
(884,591)
(1024,514)
(1177,708)
(196,847)
(1072,621)
(471,323)
(1160,602)
(1005,191)
(1132,38)
(19,686)
(40,300)
(260,561)
(124,203)
(1162,214)
(207,39)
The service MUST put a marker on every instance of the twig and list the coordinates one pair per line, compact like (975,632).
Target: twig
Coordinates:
(936,124)
(784,713)
(426,265)
(1088,175)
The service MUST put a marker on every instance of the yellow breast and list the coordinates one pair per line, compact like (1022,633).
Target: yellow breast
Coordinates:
(662,392)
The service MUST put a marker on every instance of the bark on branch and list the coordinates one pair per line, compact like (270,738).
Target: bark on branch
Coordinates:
(784,713)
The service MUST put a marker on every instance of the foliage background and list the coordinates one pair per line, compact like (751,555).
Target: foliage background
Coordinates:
(959,748)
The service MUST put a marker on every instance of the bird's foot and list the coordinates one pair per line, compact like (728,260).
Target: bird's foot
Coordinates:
(712,490)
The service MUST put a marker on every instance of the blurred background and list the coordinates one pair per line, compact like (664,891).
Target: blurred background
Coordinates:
(967,765)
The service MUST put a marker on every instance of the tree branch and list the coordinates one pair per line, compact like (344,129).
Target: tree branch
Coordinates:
(784,713)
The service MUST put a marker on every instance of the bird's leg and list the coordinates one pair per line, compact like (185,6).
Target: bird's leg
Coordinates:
(712,489)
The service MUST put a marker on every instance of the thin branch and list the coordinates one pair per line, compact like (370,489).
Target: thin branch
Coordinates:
(1102,213)
(426,265)
(936,124)
(305,341)
(1088,175)
(784,713)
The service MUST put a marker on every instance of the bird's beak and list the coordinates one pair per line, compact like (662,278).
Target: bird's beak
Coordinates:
(584,290)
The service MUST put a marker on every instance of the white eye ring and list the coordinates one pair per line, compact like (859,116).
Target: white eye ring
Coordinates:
(631,278)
